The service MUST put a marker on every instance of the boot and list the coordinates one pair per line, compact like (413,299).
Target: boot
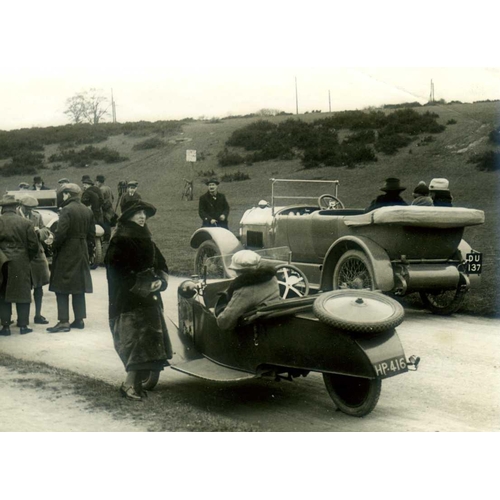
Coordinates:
(78,323)
(23,330)
(41,320)
(60,327)
(5,331)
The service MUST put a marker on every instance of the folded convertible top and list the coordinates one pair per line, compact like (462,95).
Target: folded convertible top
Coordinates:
(414,215)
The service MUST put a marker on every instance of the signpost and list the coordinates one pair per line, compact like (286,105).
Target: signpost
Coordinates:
(191,155)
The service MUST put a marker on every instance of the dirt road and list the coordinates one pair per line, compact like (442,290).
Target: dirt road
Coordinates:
(457,386)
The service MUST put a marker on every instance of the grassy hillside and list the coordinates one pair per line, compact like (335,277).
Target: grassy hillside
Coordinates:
(161,173)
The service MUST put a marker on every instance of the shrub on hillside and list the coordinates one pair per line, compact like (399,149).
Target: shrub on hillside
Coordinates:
(207,173)
(366,136)
(451,122)
(24,163)
(237,176)
(253,136)
(87,156)
(151,143)
(494,136)
(227,158)
(390,143)
(413,104)
(486,162)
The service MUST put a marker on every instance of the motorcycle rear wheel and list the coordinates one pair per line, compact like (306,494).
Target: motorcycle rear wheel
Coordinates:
(354,396)
(444,302)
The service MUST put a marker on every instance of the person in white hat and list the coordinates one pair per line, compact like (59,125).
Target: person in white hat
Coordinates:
(255,285)
(440,193)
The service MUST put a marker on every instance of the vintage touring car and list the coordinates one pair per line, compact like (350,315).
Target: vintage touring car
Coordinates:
(398,250)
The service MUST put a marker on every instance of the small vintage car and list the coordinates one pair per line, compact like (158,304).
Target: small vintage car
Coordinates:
(397,250)
(47,208)
(348,336)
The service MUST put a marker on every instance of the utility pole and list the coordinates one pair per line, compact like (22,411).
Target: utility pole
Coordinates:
(329,102)
(296,98)
(431,96)
(113,107)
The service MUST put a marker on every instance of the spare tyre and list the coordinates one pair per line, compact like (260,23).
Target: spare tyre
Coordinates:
(358,311)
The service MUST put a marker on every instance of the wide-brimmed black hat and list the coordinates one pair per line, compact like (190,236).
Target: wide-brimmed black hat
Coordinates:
(134,206)
(392,184)
(37,179)
(100,178)
(213,180)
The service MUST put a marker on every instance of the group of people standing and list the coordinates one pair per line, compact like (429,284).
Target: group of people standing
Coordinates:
(437,194)
(136,270)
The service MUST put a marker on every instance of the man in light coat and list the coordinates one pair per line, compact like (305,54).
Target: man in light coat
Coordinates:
(18,246)
(70,264)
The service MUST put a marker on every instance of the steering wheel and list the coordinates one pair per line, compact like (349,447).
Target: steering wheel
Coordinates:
(292,281)
(329,202)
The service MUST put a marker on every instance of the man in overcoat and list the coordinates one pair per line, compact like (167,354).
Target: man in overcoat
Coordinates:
(39,265)
(108,214)
(70,264)
(18,246)
(92,198)
(391,197)
(213,207)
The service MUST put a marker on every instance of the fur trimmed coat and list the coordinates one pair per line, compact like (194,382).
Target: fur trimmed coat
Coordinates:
(139,330)
(251,289)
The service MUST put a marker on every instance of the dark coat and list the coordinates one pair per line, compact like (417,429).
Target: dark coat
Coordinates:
(247,291)
(19,243)
(92,198)
(212,208)
(126,198)
(389,199)
(40,274)
(139,331)
(70,263)
(107,207)
(442,198)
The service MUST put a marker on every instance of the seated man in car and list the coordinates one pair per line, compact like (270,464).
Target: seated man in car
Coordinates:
(392,195)
(254,286)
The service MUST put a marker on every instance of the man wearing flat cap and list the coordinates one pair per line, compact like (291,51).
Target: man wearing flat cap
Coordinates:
(70,264)
(18,246)
(92,198)
(391,196)
(108,214)
(39,266)
(213,207)
(130,196)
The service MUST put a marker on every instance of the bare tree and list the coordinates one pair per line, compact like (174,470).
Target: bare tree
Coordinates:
(90,106)
(75,107)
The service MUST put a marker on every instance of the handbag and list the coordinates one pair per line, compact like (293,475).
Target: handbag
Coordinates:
(143,282)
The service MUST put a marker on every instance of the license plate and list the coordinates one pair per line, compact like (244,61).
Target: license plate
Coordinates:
(474,263)
(390,367)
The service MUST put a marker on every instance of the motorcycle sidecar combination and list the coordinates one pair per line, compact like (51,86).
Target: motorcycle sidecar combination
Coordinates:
(347,335)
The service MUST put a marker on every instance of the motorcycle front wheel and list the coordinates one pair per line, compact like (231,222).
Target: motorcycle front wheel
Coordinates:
(354,396)
(150,379)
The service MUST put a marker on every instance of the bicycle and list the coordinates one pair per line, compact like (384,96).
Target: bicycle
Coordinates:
(188,190)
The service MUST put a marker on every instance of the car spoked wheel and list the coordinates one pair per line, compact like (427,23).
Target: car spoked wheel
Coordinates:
(353,271)
(205,257)
(292,281)
(354,396)
(149,379)
(443,302)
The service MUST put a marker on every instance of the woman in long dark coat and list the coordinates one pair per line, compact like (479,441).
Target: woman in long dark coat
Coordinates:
(137,273)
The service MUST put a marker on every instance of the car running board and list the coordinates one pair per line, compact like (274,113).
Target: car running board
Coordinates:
(208,370)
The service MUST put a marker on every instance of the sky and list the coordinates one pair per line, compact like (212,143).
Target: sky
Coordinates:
(214,59)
